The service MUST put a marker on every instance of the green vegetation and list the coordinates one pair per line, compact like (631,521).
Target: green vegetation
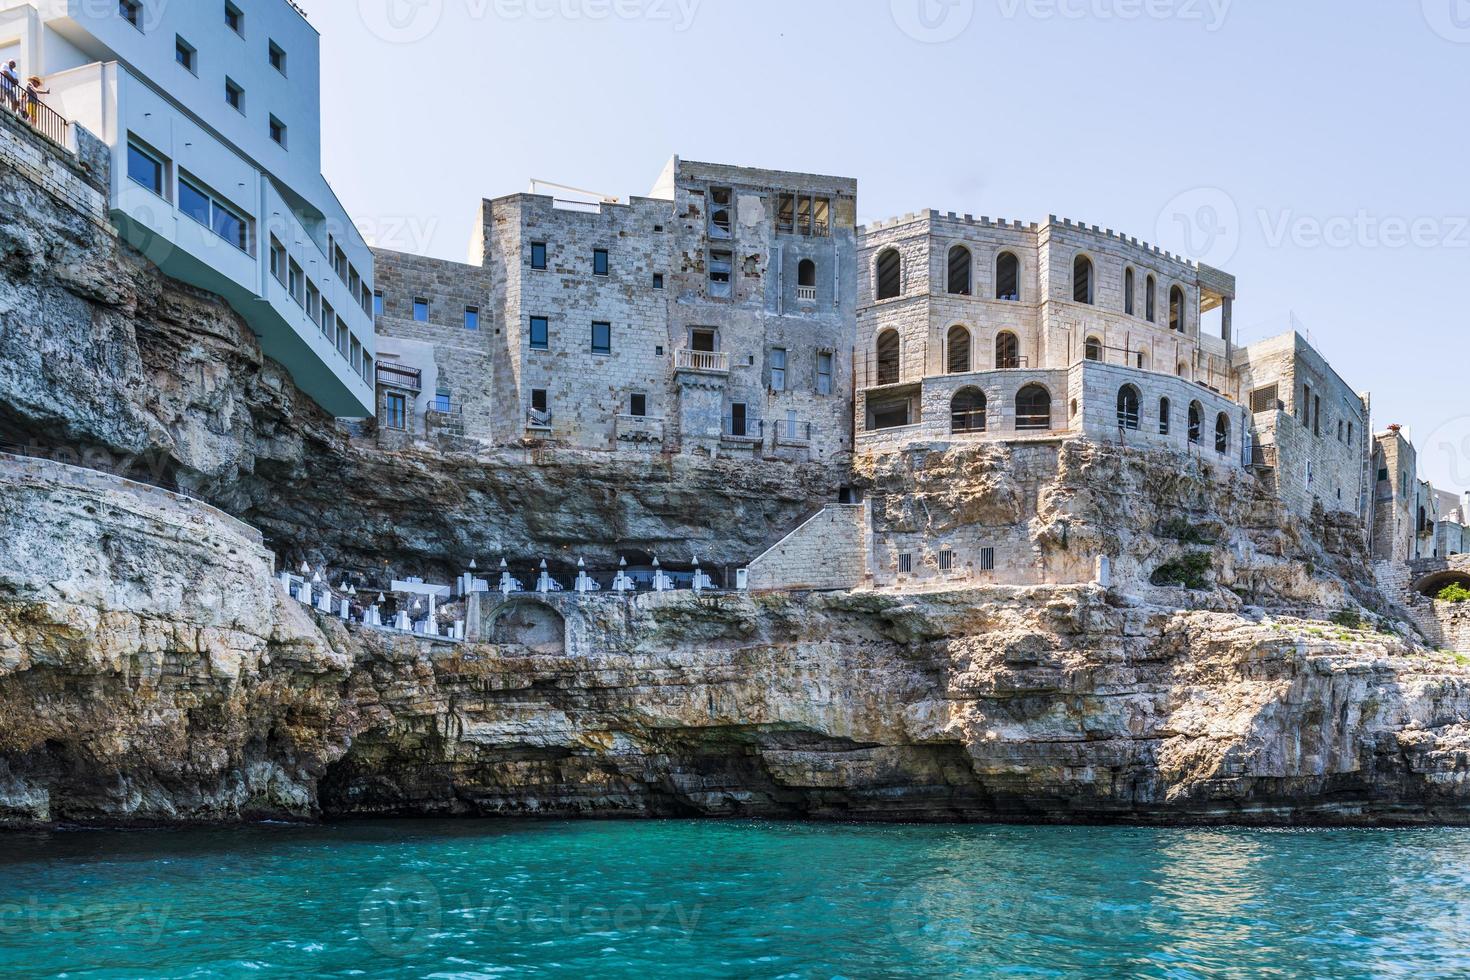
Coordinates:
(1186,570)
(1185,531)
(1454,592)
(1348,618)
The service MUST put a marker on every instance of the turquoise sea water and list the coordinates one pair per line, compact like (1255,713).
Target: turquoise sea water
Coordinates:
(637,899)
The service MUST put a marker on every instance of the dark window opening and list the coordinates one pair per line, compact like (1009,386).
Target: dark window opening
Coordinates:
(1094,349)
(540,333)
(888,358)
(967,411)
(1176,309)
(1164,411)
(1082,279)
(1128,407)
(602,338)
(599,262)
(1007,277)
(957,351)
(959,271)
(1007,352)
(638,404)
(890,274)
(538,255)
(1033,408)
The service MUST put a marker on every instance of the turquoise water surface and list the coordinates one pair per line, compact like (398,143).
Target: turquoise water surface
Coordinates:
(637,899)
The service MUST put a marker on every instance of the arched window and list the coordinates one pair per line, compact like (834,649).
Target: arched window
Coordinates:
(888,348)
(959,271)
(1093,349)
(1176,309)
(1128,407)
(1140,358)
(806,273)
(1181,369)
(1082,279)
(1196,421)
(1222,434)
(1128,290)
(1007,277)
(1150,299)
(967,411)
(1033,408)
(1007,351)
(1164,408)
(890,274)
(957,350)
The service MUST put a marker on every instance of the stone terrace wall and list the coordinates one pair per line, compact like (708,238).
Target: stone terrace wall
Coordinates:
(827,552)
(78,180)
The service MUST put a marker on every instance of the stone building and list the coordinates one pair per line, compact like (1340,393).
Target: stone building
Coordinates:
(713,316)
(990,330)
(1310,429)
(1395,494)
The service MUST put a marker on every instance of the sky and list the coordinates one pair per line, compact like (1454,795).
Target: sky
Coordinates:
(1316,149)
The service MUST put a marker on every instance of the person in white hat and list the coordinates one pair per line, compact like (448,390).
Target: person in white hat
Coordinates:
(10,83)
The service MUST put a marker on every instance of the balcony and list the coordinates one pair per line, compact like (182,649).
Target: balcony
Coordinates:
(743,430)
(793,433)
(707,361)
(806,294)
(401,378)
(30,109)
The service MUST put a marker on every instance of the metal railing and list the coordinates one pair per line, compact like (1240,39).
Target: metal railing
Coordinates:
(1033,422)
(395,376)
(538,419)
(701,360)
(28,106)
(793,431)
(753,429)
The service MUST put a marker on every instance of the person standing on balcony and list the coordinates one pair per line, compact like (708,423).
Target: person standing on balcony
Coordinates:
(10,82)
(34,91)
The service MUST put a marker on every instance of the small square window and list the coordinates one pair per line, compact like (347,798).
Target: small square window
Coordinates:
(278,131)
(540,333)
(599,262)
(658,280)
(538,255)
(234,19)
(638,405)
(658,351)
(131,11)
(472,318)
(421,310)
(186,55)
(602,338)
(278,57)
(905,564)
(234,95)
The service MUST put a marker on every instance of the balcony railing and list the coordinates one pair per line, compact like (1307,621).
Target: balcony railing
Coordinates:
(536,419)
(29,107)
(807,293)
(396,376)
(747,428)
(701,360)
(793,433)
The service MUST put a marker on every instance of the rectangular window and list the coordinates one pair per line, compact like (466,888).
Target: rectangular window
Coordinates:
(313,301)
(539,400)
(824,373)
(367,367)
(296,282)
(234,95)
(214,215)
(421,310)
(1316,415)
(786,213)
(277,57)
(356,358)
(738,421)
(1306,412)
(146,169)
(1265,399)
(599,262)
(329,317)
(703,339)
(472,318)
(234,19)
(778,369)
(721,212)
(443,401)
(721,269)
(278,260)
(602,338)
(1383,475)
(946,560)
(905,564)
(339,261)
(343,336)
(377,304)
(540,333)
(804,215)
(638,404)
(395,411)
(130,11)
(186,55)
(987,559)
(278,131)
(793,427)
(821,217)
(658,280)
(538,255)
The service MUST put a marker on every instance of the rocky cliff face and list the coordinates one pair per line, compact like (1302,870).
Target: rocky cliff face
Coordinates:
(150,669)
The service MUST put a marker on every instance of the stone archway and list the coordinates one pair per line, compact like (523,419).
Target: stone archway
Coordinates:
(1431,585)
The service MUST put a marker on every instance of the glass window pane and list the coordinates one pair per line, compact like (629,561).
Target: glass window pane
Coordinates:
(230,227)
(194,202)
(145,170)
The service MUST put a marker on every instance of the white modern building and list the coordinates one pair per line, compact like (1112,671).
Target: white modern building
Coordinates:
(212,112)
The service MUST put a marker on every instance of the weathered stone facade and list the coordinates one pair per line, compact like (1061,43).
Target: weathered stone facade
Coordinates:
(1395,482)
(713,316)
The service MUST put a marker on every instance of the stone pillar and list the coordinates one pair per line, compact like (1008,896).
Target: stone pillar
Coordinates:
(472,614)
(1226,310)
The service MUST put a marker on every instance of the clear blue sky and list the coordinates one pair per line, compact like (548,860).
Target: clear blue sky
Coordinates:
(1314,148)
